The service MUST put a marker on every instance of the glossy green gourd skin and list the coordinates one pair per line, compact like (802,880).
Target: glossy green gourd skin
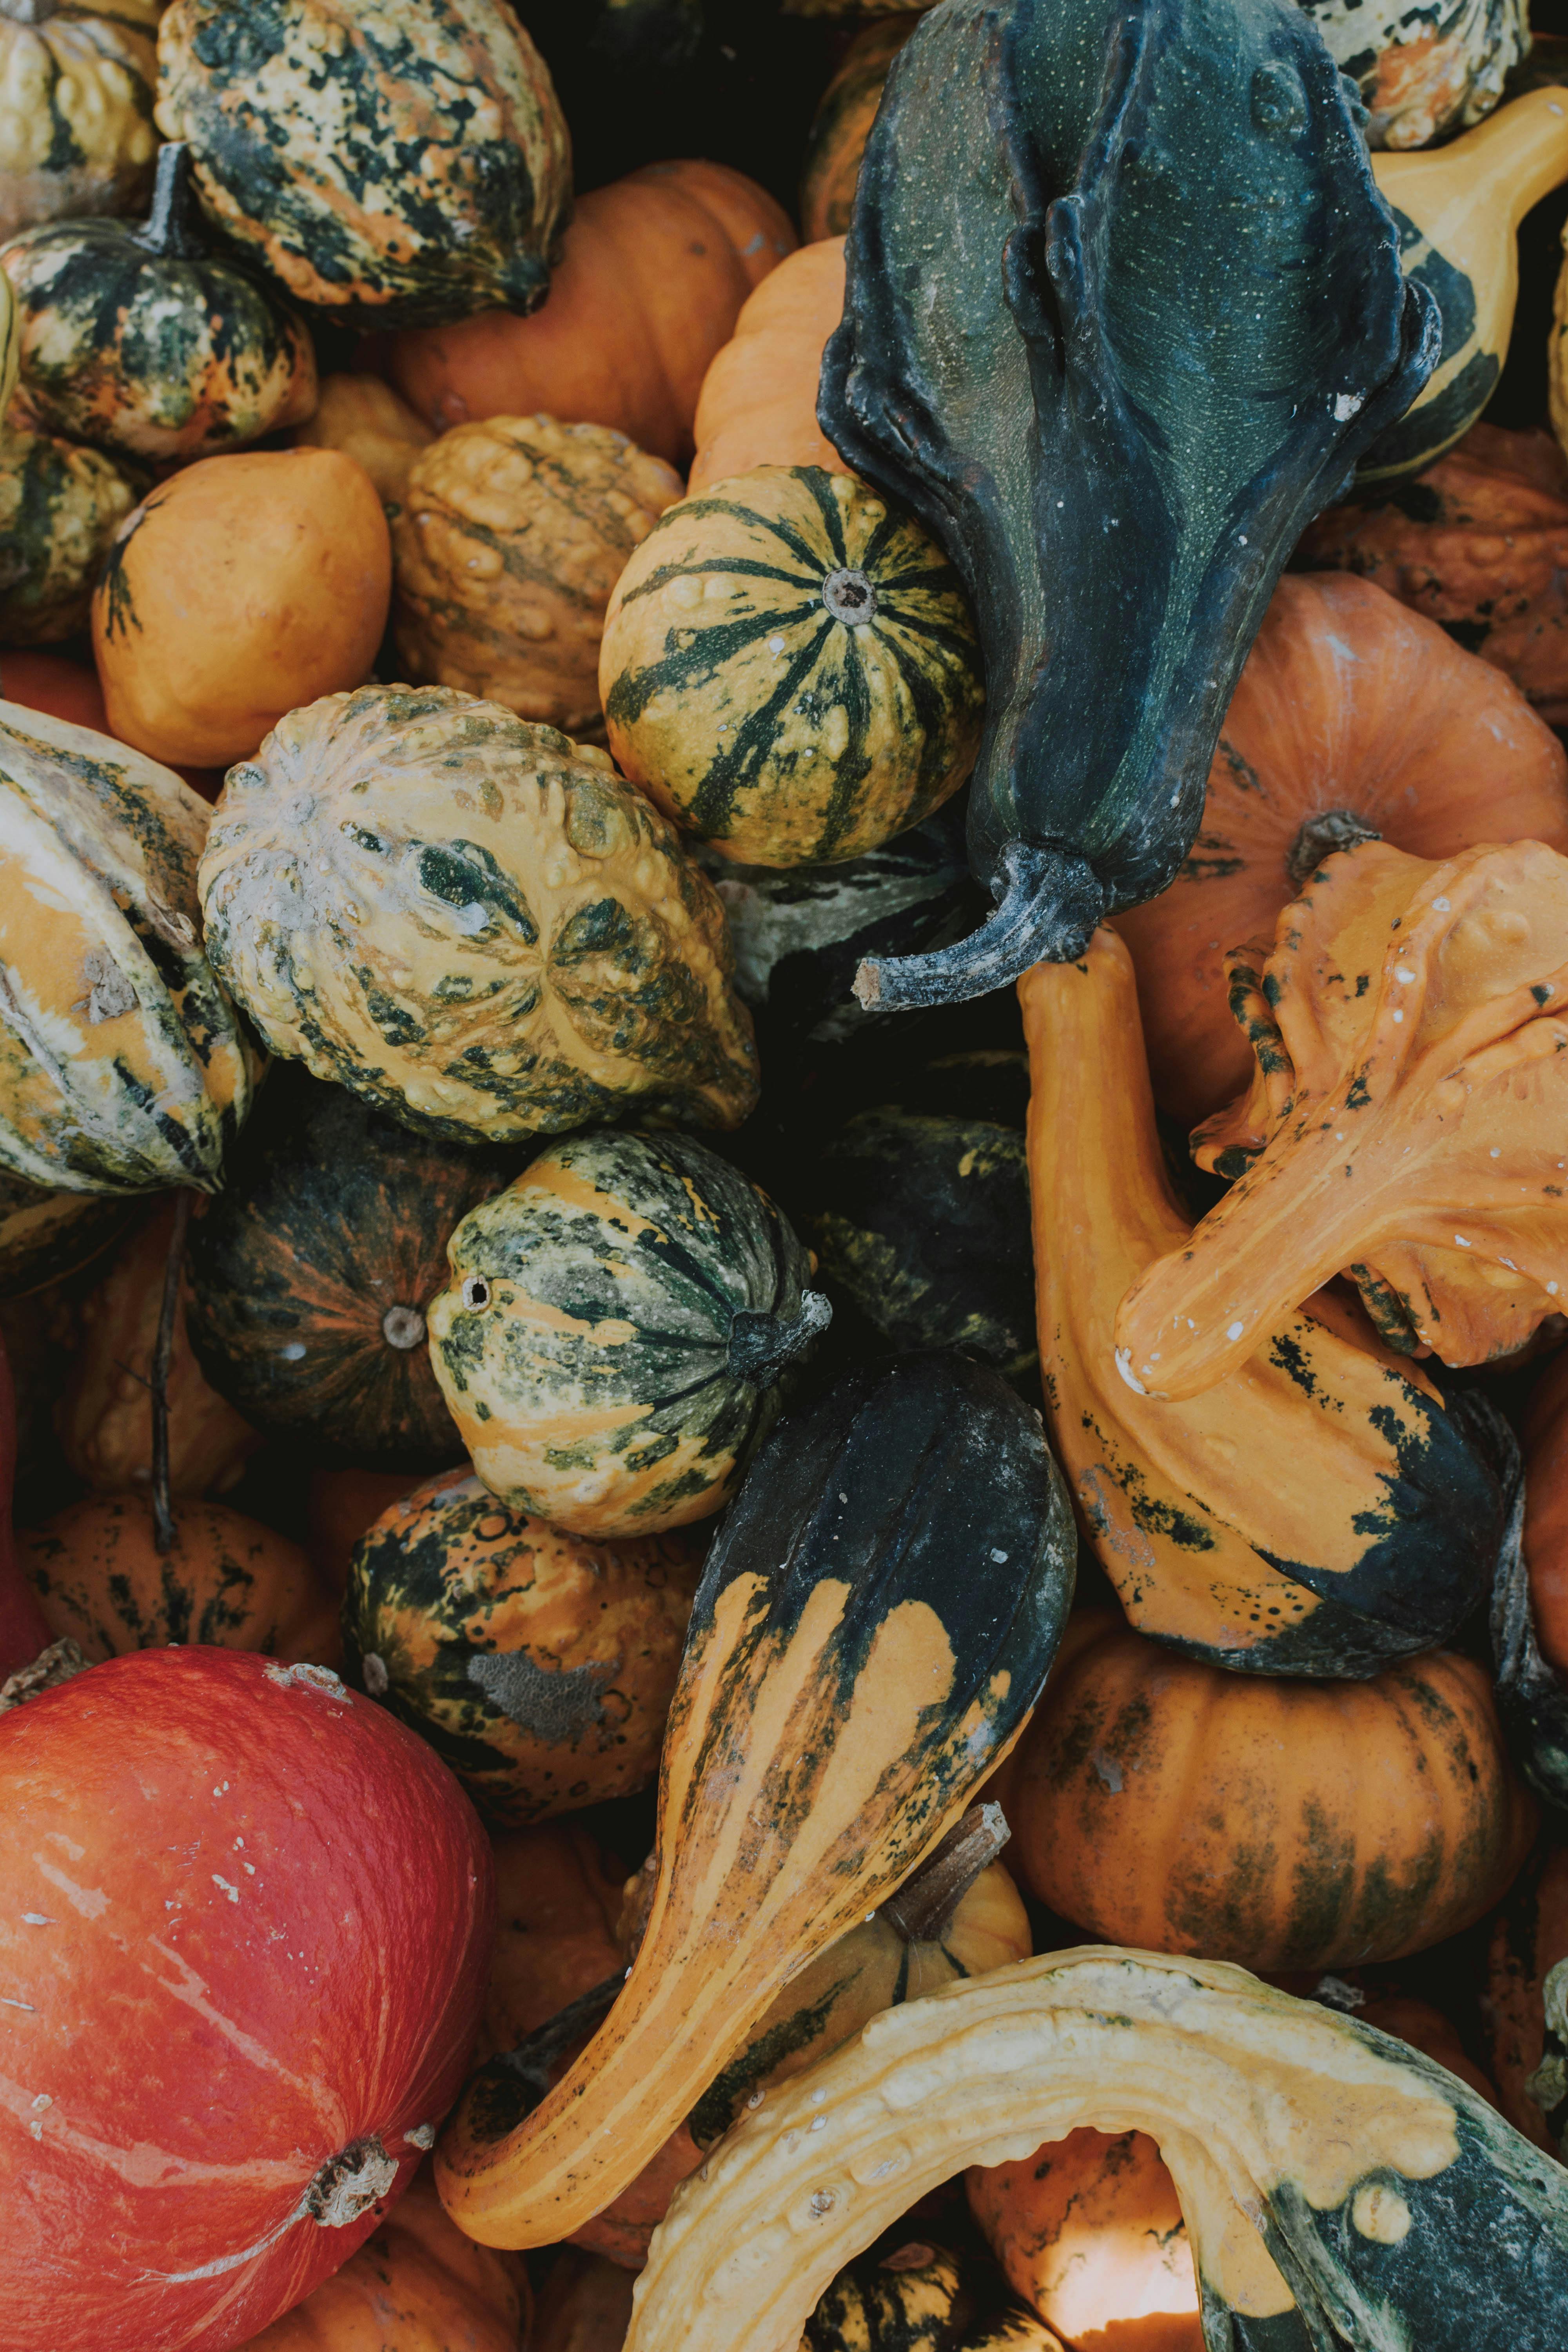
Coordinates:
(1135,328)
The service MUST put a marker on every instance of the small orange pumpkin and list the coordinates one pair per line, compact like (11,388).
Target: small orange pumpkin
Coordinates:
(652,275)
(364,418)
(1169,1804)
(584,2304)
(559,1897)
(758,404)
(229,1581)
(842,124)
(242,588)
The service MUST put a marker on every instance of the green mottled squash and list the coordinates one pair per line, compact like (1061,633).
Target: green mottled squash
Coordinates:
(313,1270)
(46,1234)
(122,1068)
(616,1330)
(470,922)
(837,138)
(392,161)
(76,108)
(540,1665)
(789,669)
(59,510)
(145,342)
(922,2298)
(1422,70)
(923,1222)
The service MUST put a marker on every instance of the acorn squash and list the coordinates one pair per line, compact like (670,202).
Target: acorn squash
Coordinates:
(873,1624)
(789,669)
(510,536)
(1377,1529)
(470,922)
(1405,1120)
(1354,719)
(59,510)
(1116,477)
(122,1067)
(758,404)
(842,124)
(145,342)
(313,1273)
(1338,2188)
(1171,1804)
(1421,70)
(538,1666)
(76,116)
(617,1331)
(391,164)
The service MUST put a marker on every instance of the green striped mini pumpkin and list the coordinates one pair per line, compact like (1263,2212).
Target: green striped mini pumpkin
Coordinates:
(789,669)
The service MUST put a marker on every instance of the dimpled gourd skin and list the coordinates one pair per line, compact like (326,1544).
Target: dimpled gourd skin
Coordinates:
(75,115)
(470,922)
(394,163)
(789,669)
(122,1067)
(615,1334)
(1198,324)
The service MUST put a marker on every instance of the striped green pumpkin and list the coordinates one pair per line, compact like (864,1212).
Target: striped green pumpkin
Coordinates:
(617,1331)
(59,510)
(789,669)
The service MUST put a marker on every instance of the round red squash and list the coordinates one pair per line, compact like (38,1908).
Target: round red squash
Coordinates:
(248,1923)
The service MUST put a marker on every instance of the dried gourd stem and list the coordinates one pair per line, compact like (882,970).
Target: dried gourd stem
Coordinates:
(923,1906)
(1321,836)
(163,1356)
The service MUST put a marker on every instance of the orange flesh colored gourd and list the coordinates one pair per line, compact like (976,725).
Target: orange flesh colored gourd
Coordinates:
(1311,1570)
(1408,1121)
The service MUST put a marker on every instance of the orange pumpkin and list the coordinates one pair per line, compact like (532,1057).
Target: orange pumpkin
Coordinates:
(1089,2230)
(584,2304)
(1169,1804)
(1546,1512)
(558,1902)
(68,689)
(1351,713)
(758,404)
(652,275)
(242,588)
(842,123)
(416,2286)
(1529,1941)
(229,1581)
(1426,2029)
(1480,543)
(364,418)
(340,1505)
(104,1419)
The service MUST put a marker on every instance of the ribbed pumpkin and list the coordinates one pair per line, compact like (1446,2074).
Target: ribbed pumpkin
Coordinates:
(1529,1944)
(121,1066)
(59,510)
(839,128)
(616,1329)
(1353,718)
(1422,71)
(538,1666)
(47,1234)
(1374,1532)
(146,343)
(312,1275)
(652,274)
(364,418)
(1480,544)
(470,922)
(228,1583)
(391,164)
(789,669)
(1164,1802)
(241,588)
(76,113)
(511,535)
(104,1421)
(758,405)
(416,2286)
(1090,2232)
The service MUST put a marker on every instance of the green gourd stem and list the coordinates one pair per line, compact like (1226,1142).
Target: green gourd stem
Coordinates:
(762,1344)
(163,1356)
(171,231)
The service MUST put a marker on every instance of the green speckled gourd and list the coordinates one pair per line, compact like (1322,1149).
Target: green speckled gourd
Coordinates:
(122,1068)
(538,1666)
(920,2298)
(1423,69)
(59,510)
(617,1330)
(76,108)
(397,163)
(789,669)
(143,341)
(471,922)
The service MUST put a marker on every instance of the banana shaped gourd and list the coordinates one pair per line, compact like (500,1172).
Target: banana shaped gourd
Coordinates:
(1124,309)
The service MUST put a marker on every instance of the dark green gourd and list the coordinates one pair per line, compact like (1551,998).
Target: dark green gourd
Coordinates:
(1124,309)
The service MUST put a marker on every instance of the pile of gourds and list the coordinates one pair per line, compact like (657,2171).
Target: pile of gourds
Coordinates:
(784,1181)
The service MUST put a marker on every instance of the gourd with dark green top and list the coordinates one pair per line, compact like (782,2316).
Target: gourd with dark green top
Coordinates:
(1124,308)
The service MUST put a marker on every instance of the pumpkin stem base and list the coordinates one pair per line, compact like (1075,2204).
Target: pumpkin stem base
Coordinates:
(1049,905)
(923,1906)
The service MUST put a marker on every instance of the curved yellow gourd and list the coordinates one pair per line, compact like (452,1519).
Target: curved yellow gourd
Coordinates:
(1385,2186)
(1458,209)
